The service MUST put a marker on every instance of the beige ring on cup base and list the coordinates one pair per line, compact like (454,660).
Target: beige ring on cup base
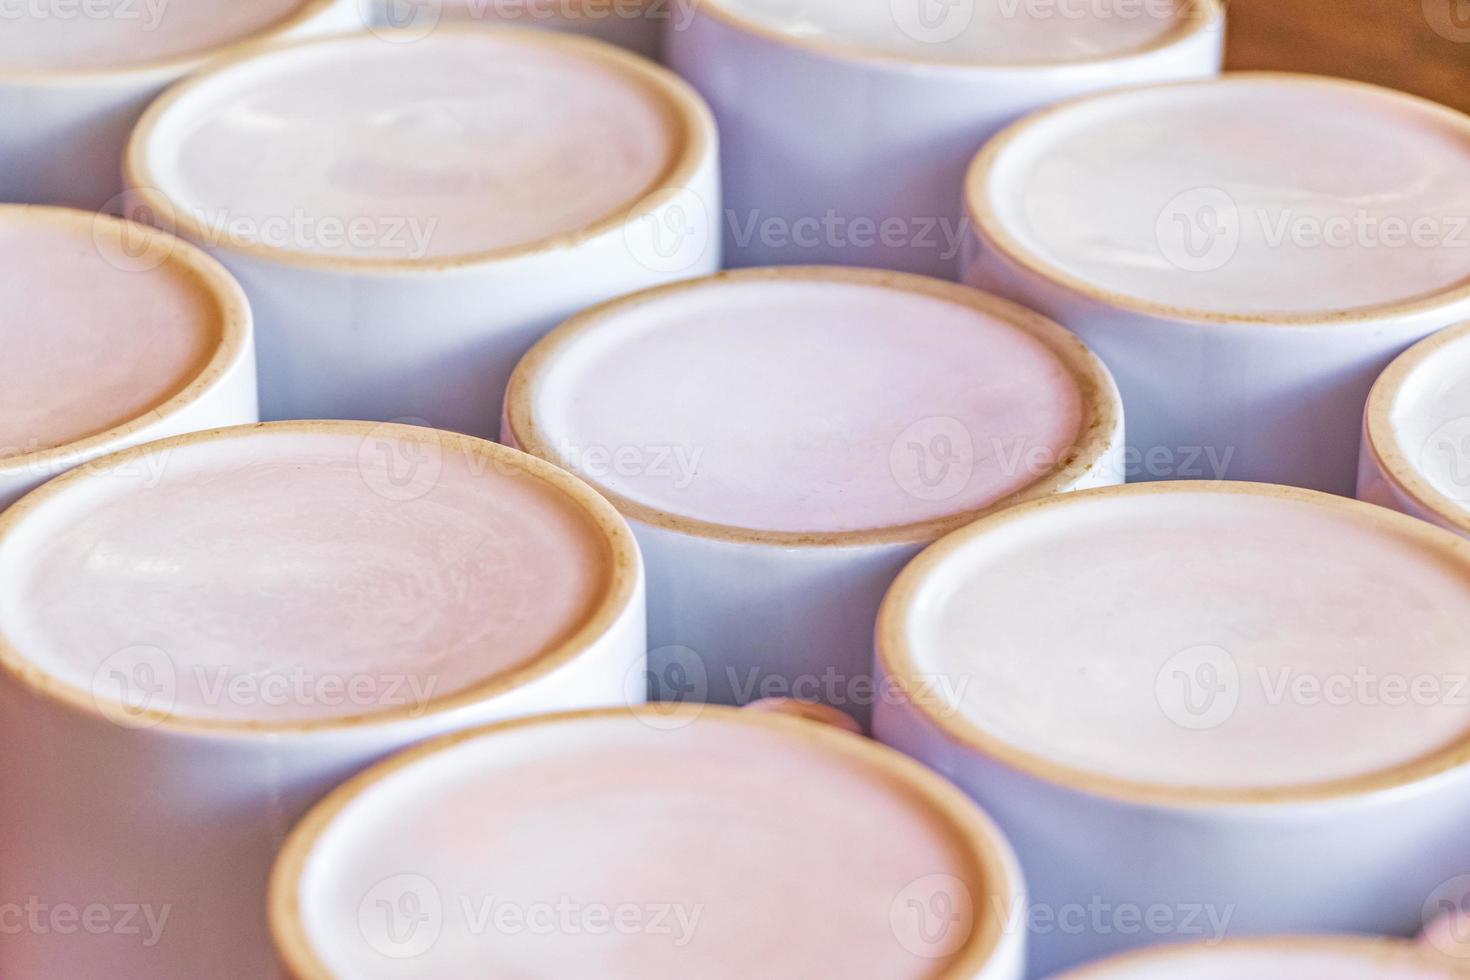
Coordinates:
(428,318)
(1214,817)
(1238,320)
(992,945)
(624,577)
(222,392)
(746,597)
(1102,417)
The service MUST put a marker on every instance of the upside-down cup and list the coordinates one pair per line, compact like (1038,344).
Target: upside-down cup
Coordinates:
(685,842)
(74,78)
(1234,256)
(202,636)
(633,24)
(113,334)
(1176,697)
(783,441)
(1416,433)
(865,165)
(425,207)
(1278,958)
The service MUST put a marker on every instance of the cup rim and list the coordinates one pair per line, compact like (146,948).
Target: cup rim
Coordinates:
(234,320)
(694,146)
(1380,948)
(896,659)
(1195,18)
(986,849)
(1102,418)
(979,194)
(1380,439)
(619,592)
(306,11)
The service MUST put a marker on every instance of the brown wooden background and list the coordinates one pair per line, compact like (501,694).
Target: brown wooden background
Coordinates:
(1420,46)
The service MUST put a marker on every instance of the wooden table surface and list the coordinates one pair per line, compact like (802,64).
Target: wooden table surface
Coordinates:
(1420,46)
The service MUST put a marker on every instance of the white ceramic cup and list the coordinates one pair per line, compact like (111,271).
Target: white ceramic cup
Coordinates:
(683,842)
(1198,710)
(1415,428)
(413,318)
(67,124)
(633,24)
(784,440)
(176,354)
(183,672)
(1277,958)
(847,124)
(1239,262)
